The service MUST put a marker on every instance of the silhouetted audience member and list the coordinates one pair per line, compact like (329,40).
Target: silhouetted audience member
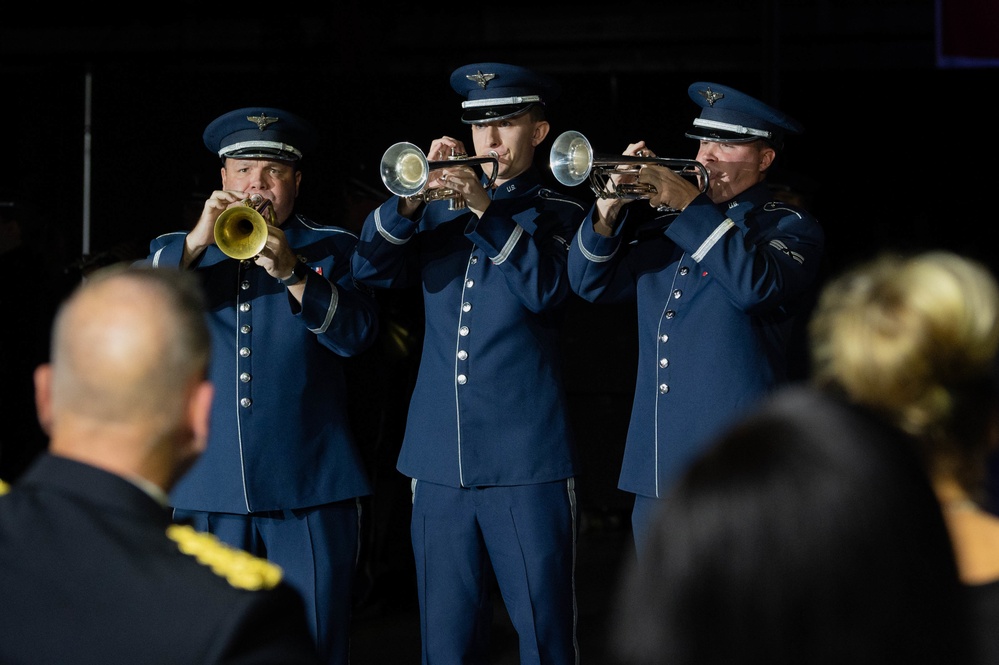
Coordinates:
(914,336)
(92,571)
(808,534)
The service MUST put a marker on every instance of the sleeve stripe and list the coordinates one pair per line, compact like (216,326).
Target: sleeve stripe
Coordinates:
(712,240)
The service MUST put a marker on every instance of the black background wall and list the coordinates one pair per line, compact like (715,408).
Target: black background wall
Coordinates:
(896,150)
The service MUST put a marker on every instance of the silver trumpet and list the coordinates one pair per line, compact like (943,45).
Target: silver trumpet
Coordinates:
(405,172)
(572,161)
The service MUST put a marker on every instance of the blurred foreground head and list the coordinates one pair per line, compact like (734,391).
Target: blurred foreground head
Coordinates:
(126,385)
(914,337)
(808,534)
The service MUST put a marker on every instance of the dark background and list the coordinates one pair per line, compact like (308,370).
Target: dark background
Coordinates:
(103,120)
(897,149)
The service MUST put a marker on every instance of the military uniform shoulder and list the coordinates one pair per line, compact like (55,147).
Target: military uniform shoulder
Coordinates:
(778,205)
(553,195)
(241,569)
(313,225)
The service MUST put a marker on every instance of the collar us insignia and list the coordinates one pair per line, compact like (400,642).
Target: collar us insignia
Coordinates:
(480,78)
(710,96)
(261,121)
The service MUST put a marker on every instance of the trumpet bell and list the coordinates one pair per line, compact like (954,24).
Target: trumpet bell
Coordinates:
(404,169)
(241,232)
(571,158)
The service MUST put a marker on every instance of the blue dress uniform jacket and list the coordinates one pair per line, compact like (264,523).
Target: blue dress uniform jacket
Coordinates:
(716,287)
(89,575)
(280,437)
(488,407)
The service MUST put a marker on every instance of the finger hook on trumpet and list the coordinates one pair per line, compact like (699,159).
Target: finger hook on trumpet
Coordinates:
(241,231)
(406,171)
(573,161)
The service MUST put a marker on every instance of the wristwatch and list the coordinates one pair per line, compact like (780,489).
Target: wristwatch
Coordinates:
(298,273)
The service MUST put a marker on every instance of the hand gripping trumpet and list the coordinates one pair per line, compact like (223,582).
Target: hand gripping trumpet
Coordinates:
(405,171)
(572,161)
(241,231)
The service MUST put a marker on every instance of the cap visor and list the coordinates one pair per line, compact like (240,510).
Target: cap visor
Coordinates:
(718,135)
(262,153)
(491,113)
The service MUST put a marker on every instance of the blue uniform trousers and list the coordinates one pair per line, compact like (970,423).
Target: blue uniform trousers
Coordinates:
(330,532)
(525,536)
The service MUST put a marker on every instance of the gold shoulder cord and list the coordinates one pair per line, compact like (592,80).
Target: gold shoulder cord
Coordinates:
(242,569)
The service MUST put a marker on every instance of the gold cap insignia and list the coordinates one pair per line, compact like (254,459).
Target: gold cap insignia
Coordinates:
(710,96)
(480,78)
(261,120)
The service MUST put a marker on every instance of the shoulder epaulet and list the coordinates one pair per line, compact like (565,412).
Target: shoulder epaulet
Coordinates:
(242,569)
(4,487)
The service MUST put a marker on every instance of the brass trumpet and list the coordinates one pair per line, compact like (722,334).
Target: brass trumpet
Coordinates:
(405,172)
(241,231)
(572,161)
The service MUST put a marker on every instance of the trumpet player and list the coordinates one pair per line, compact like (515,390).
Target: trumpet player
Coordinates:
(722,279)
(282,475)
(487,444)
